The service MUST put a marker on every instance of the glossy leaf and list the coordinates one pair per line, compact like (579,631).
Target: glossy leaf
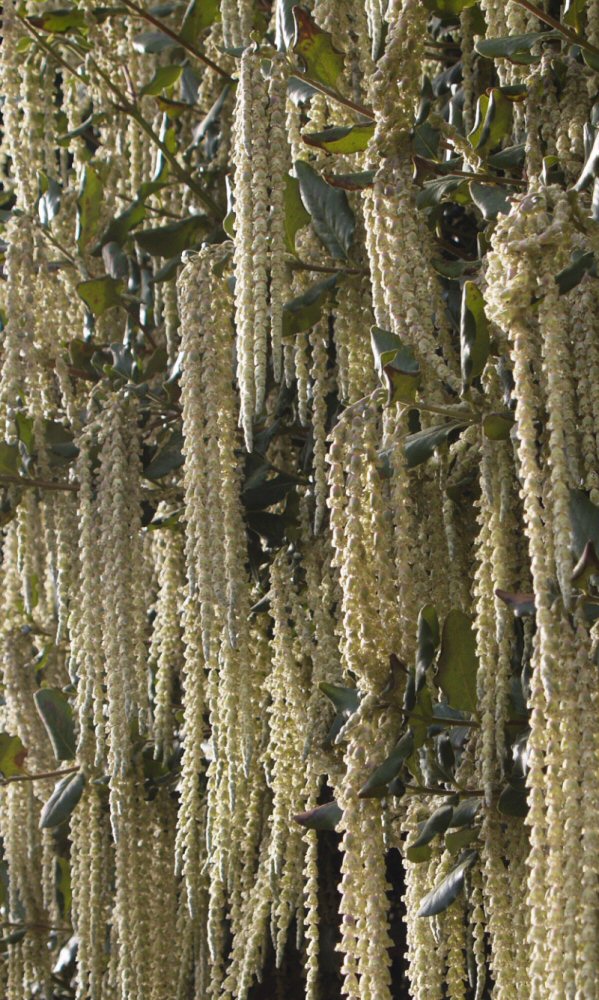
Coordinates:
(152,42)
(498,426)
(329,209)
(376,784)
(571,275)
(515,48)
(490,199)
(50,197)
(584,518)
(416,855)
(448,890)
(421,446)
(121,226)
(115,261)
(456,842)
(57,715)
(9,459)
(59,21)
(314,46)
(448,7)
(303,312)
(458,662)
(172,239)
(324,817)
(344,699)
(465,812)
(63,800)
(513,801)
(342,138)
(438,822)
(494,115)
(474,333)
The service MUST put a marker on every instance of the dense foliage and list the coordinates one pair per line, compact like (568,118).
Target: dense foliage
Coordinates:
(299,500)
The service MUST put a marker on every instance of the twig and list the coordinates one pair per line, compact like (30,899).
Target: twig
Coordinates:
(48,48)
(572,36)
(38,777)
(339,98)
(176,38)
(43,484)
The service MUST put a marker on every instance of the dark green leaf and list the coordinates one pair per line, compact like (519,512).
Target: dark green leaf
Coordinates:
(344,699)
(115,261)
(314,46)
(494,115)
(516,48)
(342,138)
(436,190)
(513,801)
(63,800)
(57,716)
(100,294)
(152,42)
(458,662)
(324,817)
(9,459)
(376,785)
(498,426)
(50,195)
(303,312)
(120,227)
(329,209)
(438,822)
(167,460)
(351,182)
(419,447)
(521,604)
(448,890)
(474,333)
(416,855)
(269,492)
(456,842)
(569,277)
(465,812)
(59,21)
(167,241)
(490,199)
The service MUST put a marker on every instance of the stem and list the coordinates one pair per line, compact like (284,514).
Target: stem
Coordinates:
(35,926)
(176,38)
(38,777)
(441,720)
(339,98)
(42,484)
(48,48)
(301,265)
(572,36)
(426,790)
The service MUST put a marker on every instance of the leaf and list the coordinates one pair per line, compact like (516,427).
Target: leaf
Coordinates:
(376,785)
(494,116)
(490,199)
(427,641)
(520,603)
(352,182)
(120,227)
(456,842)
(573,14)
(422,445)
(420,718)
(59,21)
(199,15)
(303,312)
(50,195)
(329,209)
(9,459)
(436,190)
(167,460)
(516,48)
(324,817)
(438,822)
(465,812)
(172,239)
(345,700)
(569,277)
(508,158)
(498,426)
(584,518)
(320,58)
(458,662)
(63,800)
(89,203)
(513,801)
(100,294)
(270,492)
(396,366)
(342,138)
(448,7)
(152,42)
(448,890)
(474,333)
(416,855)
(62,881)
(586,571)
(57,716)
(164,77)
(296,216)
(285,24)
(12,756)
(115,260)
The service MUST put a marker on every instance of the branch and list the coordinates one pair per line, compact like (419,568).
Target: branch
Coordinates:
(176,38)
(334,96)
(572,36)
(38,777)
(43,484)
